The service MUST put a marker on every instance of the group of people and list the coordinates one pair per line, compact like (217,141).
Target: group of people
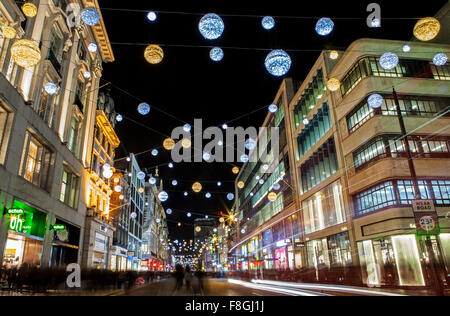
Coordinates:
(184,275)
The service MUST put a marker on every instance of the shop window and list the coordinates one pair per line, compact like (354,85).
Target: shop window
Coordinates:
(6,117)
(74,139)
(408,262)
(70,188)
(37,162)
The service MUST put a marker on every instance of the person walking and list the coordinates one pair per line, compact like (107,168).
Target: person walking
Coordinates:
(179,276)
(188,278)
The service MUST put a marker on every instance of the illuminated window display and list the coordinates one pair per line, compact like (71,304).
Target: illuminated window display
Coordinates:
(333,251)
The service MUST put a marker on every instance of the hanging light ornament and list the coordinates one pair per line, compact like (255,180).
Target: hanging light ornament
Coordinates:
(143,108)
(141,190)
(206,156)
(50,88)
(230,196)
(244,158)
(440,59)
(119,118)
(152,180)
(427,29)
(188,214)
(273,108)
(216,54)
(276,186)
(186,194)
(375,101)
(90,16)
(9,32)
(197,187)
(211,26)
(155,152)
(169,143)
(306,121)
(224,126)
(406,48)
(389,61)
(208,195)
(118,188)
(241,184)
(186,143)
(107,173)
(174,183)
(268,22)
(187,128)
(278,63)
(198,229)
(235,170)
(29,9)
(154,54)
(272,196)
(163,196)
(87,75)
(250,144)
(333,84)
(25,53)
(179,224)
(92,47)
(151,16)
(334,54)
(141,175)
(324,26)
(221,219)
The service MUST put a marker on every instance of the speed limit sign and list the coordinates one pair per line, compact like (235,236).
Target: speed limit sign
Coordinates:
(427,223)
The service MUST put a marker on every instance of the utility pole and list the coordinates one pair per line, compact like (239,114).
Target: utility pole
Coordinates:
(435,262)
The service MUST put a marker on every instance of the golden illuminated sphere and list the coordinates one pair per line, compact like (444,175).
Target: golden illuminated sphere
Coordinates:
(169,143)
(179,224)
(427,29)
(141,190)
(272,196)
(154,54)
(121,197)
(333,84)
(9,32)
(186,143)
(25,53)
(116,180)
(235,170)
(241,184)
(29,9)
(197,187)
(221,219)
(334,54)
(198,229)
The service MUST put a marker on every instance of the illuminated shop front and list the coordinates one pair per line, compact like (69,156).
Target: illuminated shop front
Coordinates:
(26,230)
(100,254)
(118,259)
(65,245)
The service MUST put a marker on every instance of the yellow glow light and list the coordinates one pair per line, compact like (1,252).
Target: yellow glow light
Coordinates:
(221,219)
(241,184)
(186,143)
(272,196)
(333,84)
(141,190)
(154,54)
(25,53)
(29,9)
(334,54)
(9,32)
(179,224)
(198,229)
(169,144)
(427,29)
(235,170)
(197,187)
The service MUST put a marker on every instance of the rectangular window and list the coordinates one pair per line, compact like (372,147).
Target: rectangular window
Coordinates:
(70,188)
(5,128)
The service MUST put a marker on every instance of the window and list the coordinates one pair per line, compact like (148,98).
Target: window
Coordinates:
(74,140)
(37,162)
(375,198)
(55,50)
(5,128)
(69,188)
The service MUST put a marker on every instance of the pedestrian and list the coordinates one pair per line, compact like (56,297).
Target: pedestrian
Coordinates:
(179,276)
(188,278)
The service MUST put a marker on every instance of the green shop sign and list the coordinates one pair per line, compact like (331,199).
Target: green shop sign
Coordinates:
(58,227)
(27,220)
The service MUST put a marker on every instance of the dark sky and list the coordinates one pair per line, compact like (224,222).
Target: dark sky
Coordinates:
(188,85)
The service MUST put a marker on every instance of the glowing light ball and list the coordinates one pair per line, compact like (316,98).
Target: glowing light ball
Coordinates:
(235,170)
(219,184)
(87,75)
(276,186)
(186,194)
(121,197)
(92,47)
(272,196)
(50,88)
(155,152)
(169,143)
(152,180)
(158,220)
(163,196)
(187,128)
(376,23)
(324,26)
(265,167)
(29,9)
(206,156)
(174,182)
(169,211)
(143,108)
(198,229)
(306,122)
(268,22)
(133,215)
(141,175)
(197,187)
(406,48)
(241,184)
(208,195)
(170,165)
(273,108)
(427,29)
(220,143)
(141,190)
(188,214)
(186,143)
(278,63)
(151,16)
(333,84)
(261,181)
(118,188)
(107,173)
(221,219)
(154,54)
(389,61)
(243,231)
(211,26)
(334,54)
(440,59)
(230,196)
(179,224)
(90,16)
(216,54)
(25,53)
(375,101)
(9,32)
(244,158)
(224,126)
(250,144)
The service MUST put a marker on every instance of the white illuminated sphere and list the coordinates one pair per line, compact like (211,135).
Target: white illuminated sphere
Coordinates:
(324,26)
(107,173)
(189,214)
(141,175)
(206,156)
(250,144)
(187,128)
(268,22)
(389,61)
(244,158)
(186,194)
(306,121)
(118,188)
(170,165)
(51,88)
(106,166)
(174,182)
(261,181)
(273,108)
(278,63)
(220,143)
(90,16)
(265,167)
(252,194)
(440,59)
(151,16)
(211,26)
(152,180)
(406,48)
(119,118)
(169,211)
(375,101)
(133,215)
(158,221)
(230,196)
(224,126)
(219,184)
(143,108)
(376,23)
(128,159)
(87,75)
(92,47)
(216,54)
(276,186)
(163,196)
(243,231)
(155,152)
(208,195)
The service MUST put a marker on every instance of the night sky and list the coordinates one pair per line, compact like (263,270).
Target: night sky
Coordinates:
(188,85)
